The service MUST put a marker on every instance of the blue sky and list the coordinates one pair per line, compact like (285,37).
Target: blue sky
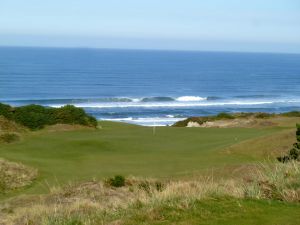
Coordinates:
(224,25)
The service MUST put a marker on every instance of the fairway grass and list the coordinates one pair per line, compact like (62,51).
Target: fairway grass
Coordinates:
(116,148)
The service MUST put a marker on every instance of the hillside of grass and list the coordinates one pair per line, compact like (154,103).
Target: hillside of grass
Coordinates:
(174,175)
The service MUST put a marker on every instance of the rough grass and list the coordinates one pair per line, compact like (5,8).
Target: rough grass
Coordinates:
(10,131)
(280,181)
(202,201)
(15,175)
(10,126)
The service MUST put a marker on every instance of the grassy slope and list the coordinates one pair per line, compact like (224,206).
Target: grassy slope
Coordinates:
(62,156)
(127,149)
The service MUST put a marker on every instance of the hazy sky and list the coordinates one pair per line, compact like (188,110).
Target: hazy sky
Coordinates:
(234,25)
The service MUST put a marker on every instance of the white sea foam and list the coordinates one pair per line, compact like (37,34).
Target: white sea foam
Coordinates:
(147,121)
(190,99)
(136,99)
(171,104)
(119,119)
(170,116)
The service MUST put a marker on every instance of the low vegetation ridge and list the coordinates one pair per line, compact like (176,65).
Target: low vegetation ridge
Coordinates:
(36,117)
(241,119)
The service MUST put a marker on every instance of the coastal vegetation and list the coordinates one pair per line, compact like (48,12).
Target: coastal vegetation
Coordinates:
(116,181)
(126,174)
(234,116)
(294,153)
(15,175)
(36,117)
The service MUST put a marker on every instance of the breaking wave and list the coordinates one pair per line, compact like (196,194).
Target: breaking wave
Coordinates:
(155,102)
(112,100)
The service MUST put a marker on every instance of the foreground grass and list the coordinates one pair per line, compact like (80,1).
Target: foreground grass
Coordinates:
(221,211)
(217,211)
(271,196)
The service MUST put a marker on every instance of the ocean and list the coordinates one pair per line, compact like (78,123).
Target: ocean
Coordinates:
(152,88)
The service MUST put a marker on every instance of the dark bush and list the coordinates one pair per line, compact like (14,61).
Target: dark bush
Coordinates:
(117,181)
(262,115)
(33,116)
(6,111)
(36,116)
(224,115)
(294,153)
(70,114)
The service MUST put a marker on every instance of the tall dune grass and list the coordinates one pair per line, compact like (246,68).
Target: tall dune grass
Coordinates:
(280,181)
(96,202)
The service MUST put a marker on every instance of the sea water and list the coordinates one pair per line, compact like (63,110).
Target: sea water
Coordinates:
(150,88)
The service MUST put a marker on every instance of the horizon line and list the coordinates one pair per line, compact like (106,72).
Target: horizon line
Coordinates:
(151,49)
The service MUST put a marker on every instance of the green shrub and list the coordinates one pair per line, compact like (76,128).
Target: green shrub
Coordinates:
(243,115)
(70,114)
(291,114)
(262,115)
(9,137)
(6,111)
(36,116)
(117,181)
(224,115)
(294,153)
(33,116)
